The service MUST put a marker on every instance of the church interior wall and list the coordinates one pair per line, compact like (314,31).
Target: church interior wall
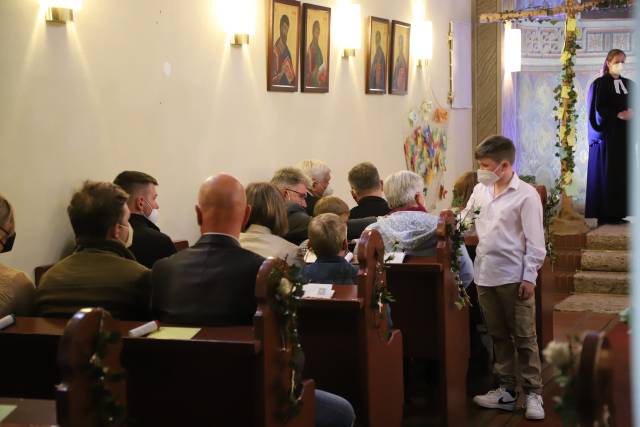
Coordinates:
(154,85)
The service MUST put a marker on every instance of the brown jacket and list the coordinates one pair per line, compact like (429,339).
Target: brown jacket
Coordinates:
(98,274)
(16,292)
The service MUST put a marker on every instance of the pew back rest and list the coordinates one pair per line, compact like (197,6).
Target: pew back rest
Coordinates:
(89,345)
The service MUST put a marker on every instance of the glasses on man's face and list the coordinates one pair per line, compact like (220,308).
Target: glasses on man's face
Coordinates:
(301,195)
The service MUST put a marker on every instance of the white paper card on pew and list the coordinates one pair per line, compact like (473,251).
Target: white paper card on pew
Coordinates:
(394,257)
(318,290)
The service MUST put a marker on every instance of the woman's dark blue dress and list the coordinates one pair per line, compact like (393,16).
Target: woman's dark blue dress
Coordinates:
(607,177)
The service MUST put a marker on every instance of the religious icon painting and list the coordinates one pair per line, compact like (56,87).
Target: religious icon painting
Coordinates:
(377,56)
(316,45)
(399,63)
(284,46)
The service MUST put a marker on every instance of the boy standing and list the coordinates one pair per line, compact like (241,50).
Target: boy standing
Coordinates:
(510,252)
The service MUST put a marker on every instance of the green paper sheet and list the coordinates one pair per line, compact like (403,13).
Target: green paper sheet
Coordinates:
(174,333)
(5,410)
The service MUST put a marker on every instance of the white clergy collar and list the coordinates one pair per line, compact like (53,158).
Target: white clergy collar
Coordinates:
(619,85)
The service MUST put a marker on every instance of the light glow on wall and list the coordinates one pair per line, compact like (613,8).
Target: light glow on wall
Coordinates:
(512,49)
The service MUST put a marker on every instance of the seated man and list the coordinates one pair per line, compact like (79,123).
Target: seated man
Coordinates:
(319,174)
(366,190)
(409,227)
(149,243)
(328,239)
(213,282)
(293,185)
(335,205)
(101,272)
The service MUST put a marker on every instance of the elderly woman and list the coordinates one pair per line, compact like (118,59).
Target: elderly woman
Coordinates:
(16,289)
(268,224)
(409,227)
(320,175)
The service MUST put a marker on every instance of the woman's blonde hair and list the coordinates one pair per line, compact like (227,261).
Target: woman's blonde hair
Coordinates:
(268,207)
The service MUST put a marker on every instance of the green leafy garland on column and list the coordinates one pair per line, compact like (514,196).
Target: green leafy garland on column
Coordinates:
(457,232)
(565,112)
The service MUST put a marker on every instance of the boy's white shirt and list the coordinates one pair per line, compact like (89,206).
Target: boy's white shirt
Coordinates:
(511,246)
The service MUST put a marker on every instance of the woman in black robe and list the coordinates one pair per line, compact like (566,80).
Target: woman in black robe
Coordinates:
(609,116)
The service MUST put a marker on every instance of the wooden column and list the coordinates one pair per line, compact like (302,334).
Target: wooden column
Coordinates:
(486,73)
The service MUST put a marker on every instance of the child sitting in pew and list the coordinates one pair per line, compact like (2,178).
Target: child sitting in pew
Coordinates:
(328,240)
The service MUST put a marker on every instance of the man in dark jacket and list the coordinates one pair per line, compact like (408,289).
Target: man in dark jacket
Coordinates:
(212,282)
(293,185)
(149,243)
(366,190)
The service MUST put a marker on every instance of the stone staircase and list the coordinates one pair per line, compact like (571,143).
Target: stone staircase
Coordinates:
(601,282)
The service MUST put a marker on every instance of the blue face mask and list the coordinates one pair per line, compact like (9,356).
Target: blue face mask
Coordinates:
(8,244)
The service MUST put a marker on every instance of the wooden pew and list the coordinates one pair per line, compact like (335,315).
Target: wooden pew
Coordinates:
(350,349)
(181,244)
(604,377)
(432,327)
(223,376)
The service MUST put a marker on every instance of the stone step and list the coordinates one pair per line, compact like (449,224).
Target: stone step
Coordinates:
(602,260)
(610,237)
(601,282)
(597,303)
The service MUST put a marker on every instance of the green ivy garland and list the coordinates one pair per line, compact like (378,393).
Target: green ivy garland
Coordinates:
(457,232)
(381,296)
(286,283)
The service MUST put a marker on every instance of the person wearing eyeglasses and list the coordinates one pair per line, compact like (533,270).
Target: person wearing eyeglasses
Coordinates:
(293,185)
(102,271)
(16,289)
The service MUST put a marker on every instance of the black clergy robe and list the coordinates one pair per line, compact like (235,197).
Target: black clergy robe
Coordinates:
(607,176)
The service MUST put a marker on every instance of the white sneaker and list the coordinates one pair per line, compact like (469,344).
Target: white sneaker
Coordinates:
(534,409)
(497,399)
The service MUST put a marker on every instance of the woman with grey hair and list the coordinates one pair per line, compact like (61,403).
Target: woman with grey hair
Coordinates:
(16,289)
(319,174)
(409,227)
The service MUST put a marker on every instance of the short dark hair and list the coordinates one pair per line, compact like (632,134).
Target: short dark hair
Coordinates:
(364,177)
(496,148)
(268,207)
(133,181)
(95,208)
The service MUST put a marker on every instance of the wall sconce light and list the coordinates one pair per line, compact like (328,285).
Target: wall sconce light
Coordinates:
(350,27)
(512,49)
(60,11)
(238,18)
(423,44)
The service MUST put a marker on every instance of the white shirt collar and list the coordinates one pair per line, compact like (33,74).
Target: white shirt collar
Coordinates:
(258,229)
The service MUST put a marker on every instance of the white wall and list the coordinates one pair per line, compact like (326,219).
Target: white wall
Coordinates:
(91,99)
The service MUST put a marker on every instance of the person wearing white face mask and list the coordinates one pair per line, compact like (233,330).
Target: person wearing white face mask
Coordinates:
(609,116)
(149,243)
(101,272)
(510,252)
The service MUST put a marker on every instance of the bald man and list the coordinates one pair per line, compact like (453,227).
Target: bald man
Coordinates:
(213,282)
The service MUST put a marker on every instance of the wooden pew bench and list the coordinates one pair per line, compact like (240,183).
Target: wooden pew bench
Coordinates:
(432,327)
(223,376)
(350,350)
